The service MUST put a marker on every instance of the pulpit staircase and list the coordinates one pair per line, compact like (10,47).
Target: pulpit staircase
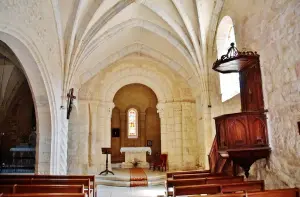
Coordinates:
(218,164)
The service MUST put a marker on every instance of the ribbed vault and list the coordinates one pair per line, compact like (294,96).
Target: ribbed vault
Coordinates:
(92,33)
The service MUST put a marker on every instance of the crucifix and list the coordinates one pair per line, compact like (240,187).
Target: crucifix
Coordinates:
(71,97)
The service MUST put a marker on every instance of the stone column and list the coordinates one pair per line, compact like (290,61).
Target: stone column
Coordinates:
(78,163)
(143,128)
(176,147)
(123,133)
(94,149)
(105,113)
(189,135)
(204,127)
(163,127)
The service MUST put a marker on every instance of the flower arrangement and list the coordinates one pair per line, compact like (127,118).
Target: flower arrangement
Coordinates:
(135,162)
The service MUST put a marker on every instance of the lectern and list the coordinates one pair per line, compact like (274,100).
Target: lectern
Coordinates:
(106,151)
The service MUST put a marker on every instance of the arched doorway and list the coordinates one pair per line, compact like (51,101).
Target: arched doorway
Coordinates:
(135,121)
(16,49)
(17,116)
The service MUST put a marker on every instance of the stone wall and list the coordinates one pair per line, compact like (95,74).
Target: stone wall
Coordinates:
(176,109)
(272,29)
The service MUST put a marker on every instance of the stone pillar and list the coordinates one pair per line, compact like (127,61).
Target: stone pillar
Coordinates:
(105,113)
(174,118)
(204,127)
(189,135)
(94,148)
(44,164)
(123,129)
(78,141)
(143,128)
(163,127)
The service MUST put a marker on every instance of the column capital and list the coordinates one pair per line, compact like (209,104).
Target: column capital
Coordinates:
(108,107)
(161,109)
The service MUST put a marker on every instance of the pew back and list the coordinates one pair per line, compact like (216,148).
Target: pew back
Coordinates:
(6,189)
(85,182)
(170,174)
(291,192)
(197,175)
(34,176)
(249,186)
(224,180)
(49,189)
(44,195)
(196,189)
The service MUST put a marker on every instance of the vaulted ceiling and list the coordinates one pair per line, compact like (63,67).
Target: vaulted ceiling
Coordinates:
(96,33)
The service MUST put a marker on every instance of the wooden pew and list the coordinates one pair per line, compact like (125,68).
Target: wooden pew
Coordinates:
(201,175)
(251,186)
(6,189)
(290,192)
(248,186)
(85,182)
(170,174)
(220,180)
(91,177)
(170,183)
(196,189)
(44,195)
(210,180)
(48,189)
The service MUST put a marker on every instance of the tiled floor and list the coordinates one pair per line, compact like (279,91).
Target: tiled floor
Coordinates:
(109,191)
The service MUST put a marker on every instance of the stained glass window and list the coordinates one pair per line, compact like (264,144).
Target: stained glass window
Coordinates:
(132,123)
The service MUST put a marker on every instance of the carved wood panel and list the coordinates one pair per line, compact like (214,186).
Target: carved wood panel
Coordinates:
(237,131)
(241,130)
(251,89)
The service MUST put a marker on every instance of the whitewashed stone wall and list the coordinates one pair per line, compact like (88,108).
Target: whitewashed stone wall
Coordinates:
(272,29)
(179,137)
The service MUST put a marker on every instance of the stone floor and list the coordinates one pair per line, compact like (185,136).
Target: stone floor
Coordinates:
(122,176)
(110,191)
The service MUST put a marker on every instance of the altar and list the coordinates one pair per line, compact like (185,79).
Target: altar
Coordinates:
(135,154)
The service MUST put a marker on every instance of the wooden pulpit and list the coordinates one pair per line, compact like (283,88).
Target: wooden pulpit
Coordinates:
(106,171)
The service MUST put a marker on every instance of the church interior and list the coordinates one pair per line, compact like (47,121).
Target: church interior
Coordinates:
(140,98)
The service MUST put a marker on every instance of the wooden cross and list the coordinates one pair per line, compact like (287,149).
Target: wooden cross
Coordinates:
(71,97)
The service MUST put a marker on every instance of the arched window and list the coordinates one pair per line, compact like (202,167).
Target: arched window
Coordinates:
(229,83)
(132,118)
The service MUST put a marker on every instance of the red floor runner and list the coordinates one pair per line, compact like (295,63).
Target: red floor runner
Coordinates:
(138,177)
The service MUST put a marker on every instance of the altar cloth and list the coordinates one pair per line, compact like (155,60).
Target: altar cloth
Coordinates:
(135,154)
(135,149)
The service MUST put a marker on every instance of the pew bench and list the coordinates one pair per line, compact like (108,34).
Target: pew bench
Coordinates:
(170,183)
(85,182)
(44,195)
(198,175)
(12,189)
(49,189)
(251,186)
(170,174)
(31,176)
(290,192)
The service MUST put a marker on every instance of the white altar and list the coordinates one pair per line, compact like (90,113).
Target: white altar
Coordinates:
(135,153)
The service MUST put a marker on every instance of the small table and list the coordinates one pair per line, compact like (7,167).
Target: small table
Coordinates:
(138,153)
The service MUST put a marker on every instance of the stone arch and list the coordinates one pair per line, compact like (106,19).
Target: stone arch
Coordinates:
(35,72)
(152,27)
(141,49)
(110,91)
